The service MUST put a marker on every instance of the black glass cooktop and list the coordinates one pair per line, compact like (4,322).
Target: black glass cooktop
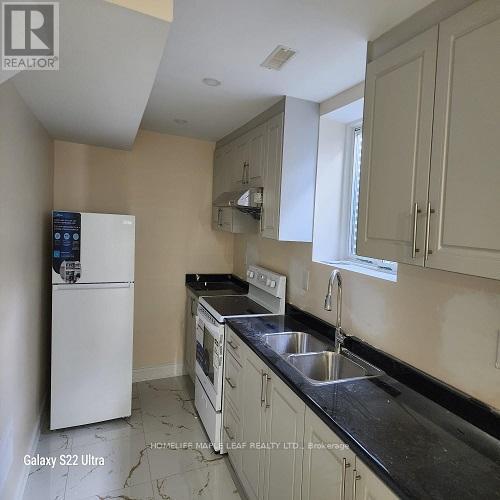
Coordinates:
(235,305)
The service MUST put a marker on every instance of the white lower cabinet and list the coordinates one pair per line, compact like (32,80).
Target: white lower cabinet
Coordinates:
(252,425)
(284,431)
(232,436)
(367,486)
(330,466)
(280,449)
(328,463)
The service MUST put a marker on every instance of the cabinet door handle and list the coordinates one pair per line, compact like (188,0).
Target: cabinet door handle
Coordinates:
(430,211)
(247,165)
(266,401)
(345,466)
(357,477)
(228,380)
(414,249)
(261,221)
(192,306)
(262,399)
(228,432)
(232,345)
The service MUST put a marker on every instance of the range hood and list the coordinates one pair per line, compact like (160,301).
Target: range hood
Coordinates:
(248,200)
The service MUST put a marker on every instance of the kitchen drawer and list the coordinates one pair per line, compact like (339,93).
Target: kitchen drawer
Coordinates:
(234,344)
(232,436)
(232,381)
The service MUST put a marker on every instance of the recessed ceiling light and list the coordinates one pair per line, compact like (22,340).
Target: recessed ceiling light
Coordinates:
(211,82)
(180,121)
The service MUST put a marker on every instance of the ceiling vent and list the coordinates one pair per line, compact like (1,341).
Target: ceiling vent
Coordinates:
(278,57)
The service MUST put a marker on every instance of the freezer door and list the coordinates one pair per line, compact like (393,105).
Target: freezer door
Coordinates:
(92,336)
(106,249)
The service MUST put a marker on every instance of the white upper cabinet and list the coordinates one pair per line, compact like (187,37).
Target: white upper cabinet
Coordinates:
(240,168)
(272,178)
(441,210)
(249,157)
(397,135)
(465,170)
(256,156)
(277,151)
(222,179)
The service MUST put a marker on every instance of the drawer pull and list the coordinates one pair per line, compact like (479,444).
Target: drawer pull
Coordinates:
(228,380)
(262,375)
(414,248)
(266,401)
(232,345)
(345,466)
(357,477)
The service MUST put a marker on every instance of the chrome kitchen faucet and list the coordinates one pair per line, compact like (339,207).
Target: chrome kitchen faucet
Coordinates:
(339,334)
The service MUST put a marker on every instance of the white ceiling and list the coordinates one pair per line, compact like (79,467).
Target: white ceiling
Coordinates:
(228,40)
(109,56)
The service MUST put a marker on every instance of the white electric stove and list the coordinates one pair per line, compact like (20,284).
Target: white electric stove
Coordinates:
(266,296)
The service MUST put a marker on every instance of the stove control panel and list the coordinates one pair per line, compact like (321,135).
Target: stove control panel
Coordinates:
(269,281)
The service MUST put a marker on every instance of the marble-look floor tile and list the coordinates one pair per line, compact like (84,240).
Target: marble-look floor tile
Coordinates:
(166,386)
(167,402)
(107,431)
(125,464)
(179,423)
(183,383)
(53,441)
(59,441)
(213,482)
(46,482)
(138,492)
(168,457)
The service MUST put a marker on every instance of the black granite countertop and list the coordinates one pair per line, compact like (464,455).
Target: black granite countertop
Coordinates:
(207,285)
(415,446)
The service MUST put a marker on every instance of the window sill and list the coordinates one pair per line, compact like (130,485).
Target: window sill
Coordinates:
(366,269)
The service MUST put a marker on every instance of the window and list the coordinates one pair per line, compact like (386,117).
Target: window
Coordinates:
(356,141)
(337,195)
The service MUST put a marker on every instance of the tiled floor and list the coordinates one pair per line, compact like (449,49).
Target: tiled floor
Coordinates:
(162,413)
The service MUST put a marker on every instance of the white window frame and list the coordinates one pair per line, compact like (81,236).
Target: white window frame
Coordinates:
(373,267)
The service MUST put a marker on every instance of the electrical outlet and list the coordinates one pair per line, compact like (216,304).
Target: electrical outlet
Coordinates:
(497,363)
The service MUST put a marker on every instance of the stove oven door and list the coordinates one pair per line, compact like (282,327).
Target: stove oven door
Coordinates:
(209,352)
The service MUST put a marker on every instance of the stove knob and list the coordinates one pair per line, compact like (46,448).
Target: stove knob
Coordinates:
(273,284)
(251,274)
(268,282)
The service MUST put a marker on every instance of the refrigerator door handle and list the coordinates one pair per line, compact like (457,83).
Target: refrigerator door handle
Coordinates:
(92,286)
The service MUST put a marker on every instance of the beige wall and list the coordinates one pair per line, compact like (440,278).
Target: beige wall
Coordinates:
(26,170)
(443,323)
(166,182)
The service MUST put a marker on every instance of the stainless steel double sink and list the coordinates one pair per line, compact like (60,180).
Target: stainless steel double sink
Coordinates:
(315,359)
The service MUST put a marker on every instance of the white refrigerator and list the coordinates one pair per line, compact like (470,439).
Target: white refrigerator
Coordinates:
(92,317)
